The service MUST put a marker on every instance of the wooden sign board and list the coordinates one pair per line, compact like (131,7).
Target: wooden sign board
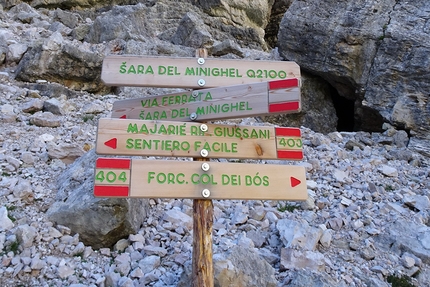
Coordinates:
(116,177)
(273,97)
(143,71)
(177,139)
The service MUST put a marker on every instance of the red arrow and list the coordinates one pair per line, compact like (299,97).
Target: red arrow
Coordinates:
(294,181)
(111,143)
(123,117)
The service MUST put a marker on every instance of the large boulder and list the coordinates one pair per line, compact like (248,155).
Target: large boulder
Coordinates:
(100,222)
(375,54)
(59,60)
(240,267)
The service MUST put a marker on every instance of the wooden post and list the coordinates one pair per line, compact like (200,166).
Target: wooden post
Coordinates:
(202,274)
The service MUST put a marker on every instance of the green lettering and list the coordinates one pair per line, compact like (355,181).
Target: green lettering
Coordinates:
(150,176)
(131,70)
(144,129)
(189,71)
(161,70)
(132,128)
(129,143)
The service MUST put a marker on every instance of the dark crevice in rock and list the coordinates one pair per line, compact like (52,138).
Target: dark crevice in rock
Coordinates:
(271,31)
(368,119)
(344,111)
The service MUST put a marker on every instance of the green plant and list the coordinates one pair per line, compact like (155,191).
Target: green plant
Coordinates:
(389,187)
(9,209)
(13,247)
(287,207)
(403,281)
(87,117)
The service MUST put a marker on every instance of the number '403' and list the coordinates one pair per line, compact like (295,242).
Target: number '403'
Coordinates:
(111,176)
(291,142)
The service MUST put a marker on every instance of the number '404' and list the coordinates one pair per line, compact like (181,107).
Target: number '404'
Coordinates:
(111,176)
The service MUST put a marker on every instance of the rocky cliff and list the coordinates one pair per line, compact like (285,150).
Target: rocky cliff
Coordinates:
(365,72)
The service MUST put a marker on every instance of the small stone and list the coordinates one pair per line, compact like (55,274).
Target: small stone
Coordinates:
(65,271)
(326,238)
(45,119)
(149,263)
(121,245)
(345,201)
(340,175)
(26,235)
(367,253)
(105,251)
(32,106)
(152,250)
(408,261)
(5,222)
(53,106)
(379,269)
(388,171)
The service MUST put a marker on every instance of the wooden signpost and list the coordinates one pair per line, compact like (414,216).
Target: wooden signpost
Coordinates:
(196,179)
(143,71)
(226,89)
(247,100)
(163,138)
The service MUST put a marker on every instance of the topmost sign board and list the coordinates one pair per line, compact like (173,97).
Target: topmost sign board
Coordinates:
(142,71)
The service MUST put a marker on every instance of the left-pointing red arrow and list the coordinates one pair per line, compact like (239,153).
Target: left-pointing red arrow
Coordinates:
(111,143)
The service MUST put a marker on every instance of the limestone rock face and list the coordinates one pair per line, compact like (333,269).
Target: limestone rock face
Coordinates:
(375,54)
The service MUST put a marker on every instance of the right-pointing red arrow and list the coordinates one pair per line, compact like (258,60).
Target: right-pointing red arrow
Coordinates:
(111,143)
(294,181)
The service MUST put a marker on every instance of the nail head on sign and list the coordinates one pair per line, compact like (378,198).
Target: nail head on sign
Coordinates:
(206,193)
(204,152)
(205,166)
(201,82)
(200,61)
(193,116)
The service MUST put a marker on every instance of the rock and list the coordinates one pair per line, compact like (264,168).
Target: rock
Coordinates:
(227,47)
(15,52)
(32,106)
(5,222)
(64,151)
(298,234)
(306,277)
(8,114)
(420,202)
(53,106)
(408,261)
(45,119)
(242,267)
(192,32)
(178,219)
(152,250)
(295,259)
(378,48)
(388,171)
(326,238)
(149,263)
(26,235)
(24,191)
(362,82)
(85,214)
